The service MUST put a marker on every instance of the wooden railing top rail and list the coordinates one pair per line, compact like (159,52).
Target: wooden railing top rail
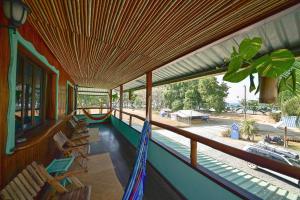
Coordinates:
(244,155)
(49,130)
(92,107)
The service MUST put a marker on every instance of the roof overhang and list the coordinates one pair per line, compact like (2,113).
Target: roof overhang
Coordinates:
(279,31)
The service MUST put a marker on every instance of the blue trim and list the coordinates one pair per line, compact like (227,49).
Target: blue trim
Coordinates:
(67,96)
(15,39)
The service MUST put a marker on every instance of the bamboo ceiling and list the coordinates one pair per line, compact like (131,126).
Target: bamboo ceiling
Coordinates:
(107,43)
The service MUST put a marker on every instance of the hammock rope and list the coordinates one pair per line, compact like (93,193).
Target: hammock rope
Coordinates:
(97,118)
(135,185)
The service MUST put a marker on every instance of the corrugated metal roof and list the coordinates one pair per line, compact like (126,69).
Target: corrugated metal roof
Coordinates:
(282,31)
(91,90)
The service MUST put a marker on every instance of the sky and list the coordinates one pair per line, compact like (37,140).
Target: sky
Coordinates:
(236,90)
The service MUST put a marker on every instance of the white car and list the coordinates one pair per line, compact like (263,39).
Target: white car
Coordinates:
(276,154)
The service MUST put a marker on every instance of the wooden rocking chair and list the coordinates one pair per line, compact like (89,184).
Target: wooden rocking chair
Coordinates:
(69,148)
(30,184)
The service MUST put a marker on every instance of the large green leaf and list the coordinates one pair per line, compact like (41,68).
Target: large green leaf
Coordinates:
(276,64)
(250,47)
(238,76)
(235,63)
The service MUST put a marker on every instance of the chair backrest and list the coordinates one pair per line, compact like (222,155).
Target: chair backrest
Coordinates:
(26,185)
(75,119)
(59,139)
(73,123)
(51,180)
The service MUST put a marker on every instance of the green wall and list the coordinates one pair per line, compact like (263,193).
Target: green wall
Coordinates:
(185,179)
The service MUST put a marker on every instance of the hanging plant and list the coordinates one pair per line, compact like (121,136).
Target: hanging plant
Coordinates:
(245,62)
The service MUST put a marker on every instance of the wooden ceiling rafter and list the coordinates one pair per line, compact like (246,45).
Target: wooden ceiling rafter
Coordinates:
(107,43)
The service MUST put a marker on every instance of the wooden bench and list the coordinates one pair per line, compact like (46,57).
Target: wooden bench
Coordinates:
(29,185)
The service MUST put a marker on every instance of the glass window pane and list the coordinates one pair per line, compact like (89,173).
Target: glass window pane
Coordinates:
(18,112)
(27,95)
(38,74)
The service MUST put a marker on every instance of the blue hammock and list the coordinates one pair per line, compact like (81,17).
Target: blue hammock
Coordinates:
(135,185)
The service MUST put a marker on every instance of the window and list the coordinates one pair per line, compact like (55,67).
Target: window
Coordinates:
(70,99)
(30,95)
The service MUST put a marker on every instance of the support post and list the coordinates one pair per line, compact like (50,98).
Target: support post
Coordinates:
(285,142)
(76,96)
(149,97)
(121,103)
(193,153)
(110,99)
(130,120)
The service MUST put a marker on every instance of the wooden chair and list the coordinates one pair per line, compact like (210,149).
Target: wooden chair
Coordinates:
(80,122)
(31,182)
(78,129)
(69,148)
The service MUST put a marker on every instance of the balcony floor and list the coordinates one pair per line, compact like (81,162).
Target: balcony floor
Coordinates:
(122,154)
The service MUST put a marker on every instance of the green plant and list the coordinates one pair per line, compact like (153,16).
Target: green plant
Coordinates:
(245,62)
(291,107)
(276,116)
(226,133)
(248,129)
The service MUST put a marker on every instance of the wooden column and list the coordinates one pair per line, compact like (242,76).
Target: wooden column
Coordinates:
(121,102)
(148,95)
(130,120)
(76,96)
(110,99)
(193,154)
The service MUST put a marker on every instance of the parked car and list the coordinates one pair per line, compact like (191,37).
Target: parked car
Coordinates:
(276,154)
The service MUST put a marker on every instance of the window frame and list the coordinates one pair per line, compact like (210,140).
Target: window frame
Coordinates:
(23,61)
(16,40)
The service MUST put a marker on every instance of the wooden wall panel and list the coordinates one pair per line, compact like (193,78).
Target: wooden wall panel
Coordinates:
(44,150)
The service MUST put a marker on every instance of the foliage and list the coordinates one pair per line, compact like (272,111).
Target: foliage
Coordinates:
(226,133)
(91,100)
(276,116)
(192,98)
(291,107)
(243,63)
(253,105)
(177,105)
(115,97)
(289,81)
(213,94)
(182,95)
(248,129)
(173,92)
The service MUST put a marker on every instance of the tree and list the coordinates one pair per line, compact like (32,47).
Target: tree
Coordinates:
(291,107)
(177,105)
(253,105)
(212,93)
(175,92)
(192,98)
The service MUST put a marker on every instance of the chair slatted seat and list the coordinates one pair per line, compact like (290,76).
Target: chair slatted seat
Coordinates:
(28,184)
